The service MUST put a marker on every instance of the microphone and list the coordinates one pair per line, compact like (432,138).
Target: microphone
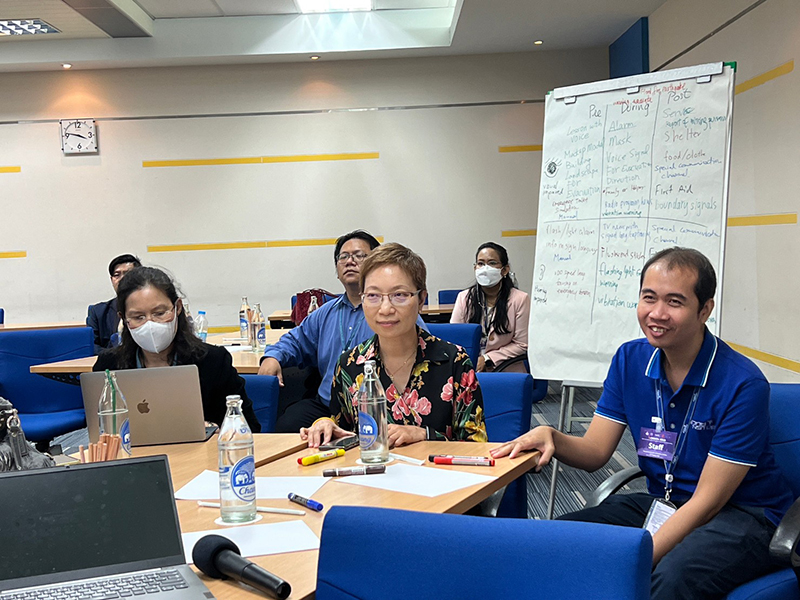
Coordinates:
(220,558)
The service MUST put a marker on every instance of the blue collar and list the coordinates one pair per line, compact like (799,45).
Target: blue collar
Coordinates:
(698,374)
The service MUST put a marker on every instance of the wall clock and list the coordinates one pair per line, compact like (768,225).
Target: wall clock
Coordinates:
(78,136)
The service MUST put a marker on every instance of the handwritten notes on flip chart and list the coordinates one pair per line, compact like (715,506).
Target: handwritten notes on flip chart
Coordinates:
(630,166)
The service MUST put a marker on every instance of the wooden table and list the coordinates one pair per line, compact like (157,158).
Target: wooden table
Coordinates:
(29,326)
(300,568)
(244,361)
(283,318)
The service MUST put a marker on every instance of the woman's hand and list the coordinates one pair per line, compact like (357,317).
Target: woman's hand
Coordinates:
(322,432)
(481,365)
(403,435)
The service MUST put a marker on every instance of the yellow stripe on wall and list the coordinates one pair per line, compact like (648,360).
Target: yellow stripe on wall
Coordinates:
(241,245)
(223,329)
(535,148)
(211,246)
(765,77)
(772,359)
(10,169)
(517,232)
(258,160)
(18,254)
(777,219)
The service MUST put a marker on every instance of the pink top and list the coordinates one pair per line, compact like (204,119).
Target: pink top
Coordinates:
(508,345)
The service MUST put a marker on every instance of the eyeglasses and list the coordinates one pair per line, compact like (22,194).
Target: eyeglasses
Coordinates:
(158,316)
(492,263)
(396,298)
(345,256)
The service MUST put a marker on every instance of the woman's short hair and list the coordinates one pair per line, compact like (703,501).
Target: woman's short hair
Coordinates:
(396,254)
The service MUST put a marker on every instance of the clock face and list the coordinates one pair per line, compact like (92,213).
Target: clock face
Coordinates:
(78,136)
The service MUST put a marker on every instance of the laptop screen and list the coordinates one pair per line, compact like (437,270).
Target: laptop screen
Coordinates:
(64,523)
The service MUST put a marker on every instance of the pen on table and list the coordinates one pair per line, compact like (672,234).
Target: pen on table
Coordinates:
(307,502)
(408,459)
(469,461)
(346,471)
(264,509)
(320,456)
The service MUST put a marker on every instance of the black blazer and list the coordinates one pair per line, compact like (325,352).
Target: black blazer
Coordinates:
(218,378)
(103,320)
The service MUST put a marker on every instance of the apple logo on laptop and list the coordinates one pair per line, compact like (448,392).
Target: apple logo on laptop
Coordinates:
(142,407)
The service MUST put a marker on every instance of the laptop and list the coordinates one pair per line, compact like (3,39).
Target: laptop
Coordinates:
(164,404)
(105,529)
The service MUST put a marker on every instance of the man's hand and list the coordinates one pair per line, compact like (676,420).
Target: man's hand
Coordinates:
(270,366)
(540,439)
(403,435)
(322,432)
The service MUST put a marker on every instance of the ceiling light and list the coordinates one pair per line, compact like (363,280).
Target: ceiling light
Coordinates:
(326,6)
(538,43)
(25,27)
(66,65)
(315,57)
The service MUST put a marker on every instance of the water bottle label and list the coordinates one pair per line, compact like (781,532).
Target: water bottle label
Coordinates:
(243,322)
(243,479)
(367,430)
(125,436)
(262,336)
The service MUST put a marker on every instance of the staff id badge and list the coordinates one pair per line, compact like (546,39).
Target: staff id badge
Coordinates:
(660,511)
(657,444)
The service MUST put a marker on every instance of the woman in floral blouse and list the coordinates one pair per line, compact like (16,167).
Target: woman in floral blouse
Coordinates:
(431,389)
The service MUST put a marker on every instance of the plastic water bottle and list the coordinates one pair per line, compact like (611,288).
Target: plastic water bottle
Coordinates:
(312,305)
(112,410)
(201,325)
(244,318)
(237,466)
(372,425)
(259,330)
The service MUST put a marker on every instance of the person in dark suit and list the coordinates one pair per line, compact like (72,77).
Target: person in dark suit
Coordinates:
(156,333)
(103,317)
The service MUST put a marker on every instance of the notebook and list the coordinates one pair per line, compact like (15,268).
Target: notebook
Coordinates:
(164,404)
(98,530)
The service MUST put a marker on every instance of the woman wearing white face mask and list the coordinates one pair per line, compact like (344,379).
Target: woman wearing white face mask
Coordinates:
(157,334)
(499,307)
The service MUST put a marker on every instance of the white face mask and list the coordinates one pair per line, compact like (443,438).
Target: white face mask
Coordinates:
(488,276)
(155,337)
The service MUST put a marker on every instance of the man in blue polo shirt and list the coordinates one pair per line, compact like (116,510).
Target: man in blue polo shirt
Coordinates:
(699,414)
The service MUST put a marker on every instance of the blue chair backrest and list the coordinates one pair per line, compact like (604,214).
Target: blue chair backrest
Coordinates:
(466,335)
(448,296)
(473,557)
(19,350)
(784,431)
(263,391)
(2,316)
(506,404)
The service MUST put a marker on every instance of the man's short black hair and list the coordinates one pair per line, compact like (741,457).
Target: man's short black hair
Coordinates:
(688,258)
(357,234)
(121,260)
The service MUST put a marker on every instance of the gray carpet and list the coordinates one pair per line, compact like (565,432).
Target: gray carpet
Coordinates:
(573,484)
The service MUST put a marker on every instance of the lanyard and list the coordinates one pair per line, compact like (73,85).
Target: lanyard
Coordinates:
(346,342)
(670,466)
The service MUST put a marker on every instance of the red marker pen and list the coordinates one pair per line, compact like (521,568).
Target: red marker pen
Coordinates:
(469,461)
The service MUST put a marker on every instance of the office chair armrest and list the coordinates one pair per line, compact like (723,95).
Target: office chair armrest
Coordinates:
(785,540)
(504,364)
(612,485)
(490,506)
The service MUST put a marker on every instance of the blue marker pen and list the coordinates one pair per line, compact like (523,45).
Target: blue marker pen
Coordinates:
(312,504)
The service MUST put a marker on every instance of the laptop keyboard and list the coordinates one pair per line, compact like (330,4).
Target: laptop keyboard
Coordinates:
(126,586)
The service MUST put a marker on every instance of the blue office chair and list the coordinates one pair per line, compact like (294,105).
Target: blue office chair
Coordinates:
(784,437)
(507,399)
(456,556)
(263,391)
(466,335)
(2,316)
(448,296)
(46,408)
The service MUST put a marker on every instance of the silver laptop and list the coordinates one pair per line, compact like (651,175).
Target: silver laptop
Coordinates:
(105,529)
(164,404)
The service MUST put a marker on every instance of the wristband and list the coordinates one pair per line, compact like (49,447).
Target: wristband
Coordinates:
(323,419)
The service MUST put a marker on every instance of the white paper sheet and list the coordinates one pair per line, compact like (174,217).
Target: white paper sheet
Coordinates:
(206,487)
(422,481)
(260,540)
